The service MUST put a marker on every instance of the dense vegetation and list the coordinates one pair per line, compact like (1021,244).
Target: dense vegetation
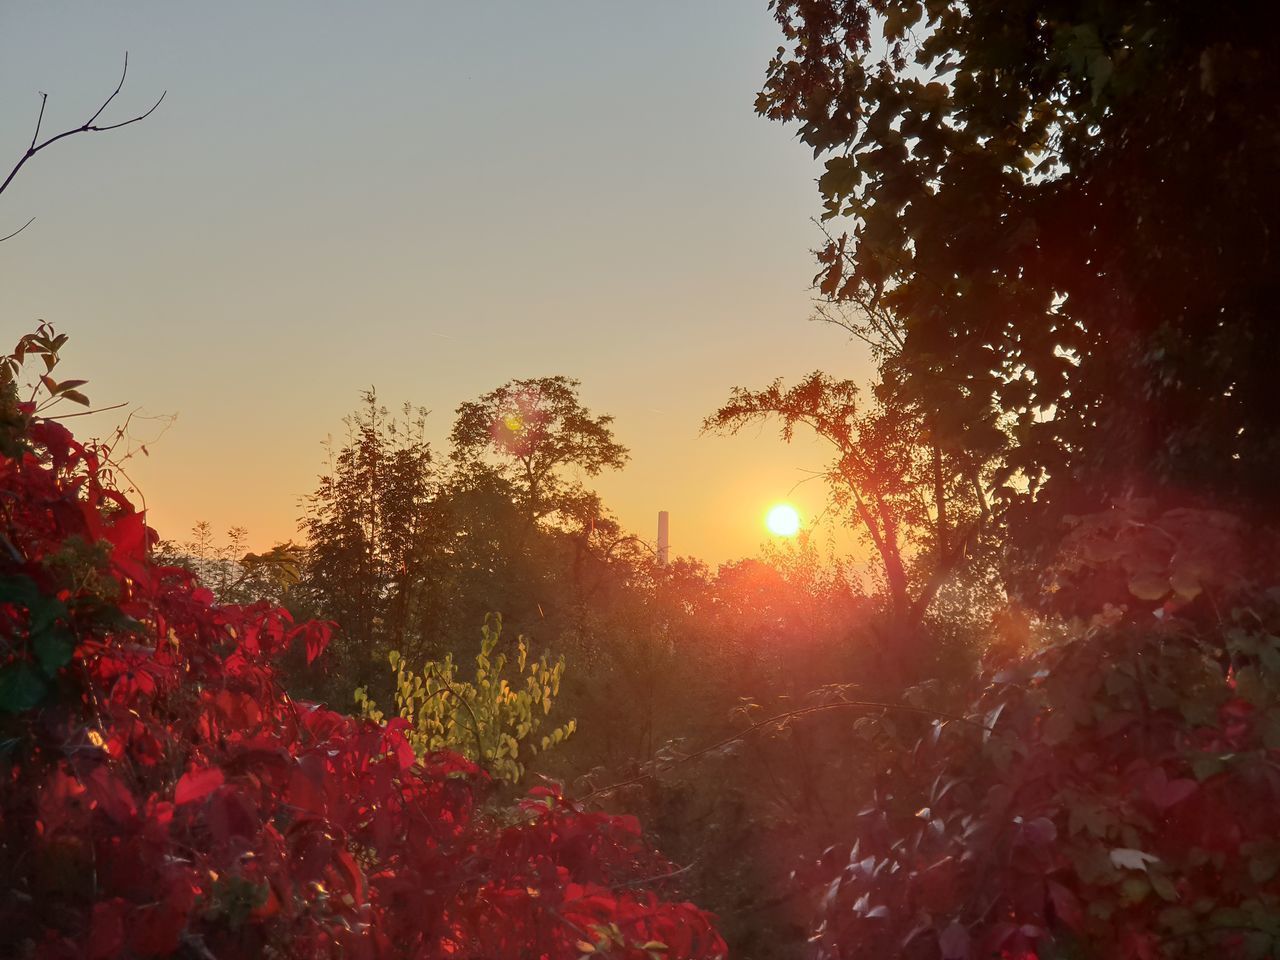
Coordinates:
(1043,722)
(163,795)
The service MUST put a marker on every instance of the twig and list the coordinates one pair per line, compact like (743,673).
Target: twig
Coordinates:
(44,100)
(645,880)
(85,413)
(18,231)
(475,723)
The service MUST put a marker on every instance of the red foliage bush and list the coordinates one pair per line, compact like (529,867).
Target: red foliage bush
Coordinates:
(160,795)
(1117,791)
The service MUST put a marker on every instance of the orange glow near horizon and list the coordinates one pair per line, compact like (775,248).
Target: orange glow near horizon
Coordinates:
(316,303)
(783,520)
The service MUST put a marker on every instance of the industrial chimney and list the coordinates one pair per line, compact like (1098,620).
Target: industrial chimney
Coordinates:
(664,537)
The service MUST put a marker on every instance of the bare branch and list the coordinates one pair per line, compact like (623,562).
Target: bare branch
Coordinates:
(138,118)
(18,231)
(86,413)
(114,93)
(89,126)
(44,100)
(645,881)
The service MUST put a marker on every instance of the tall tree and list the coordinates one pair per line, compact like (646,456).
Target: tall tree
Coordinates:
(533,434)
(370,527)
(1072,209)
(533,535)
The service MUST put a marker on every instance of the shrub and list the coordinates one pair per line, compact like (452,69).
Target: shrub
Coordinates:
(1115,793)
(486,719)
(161,796)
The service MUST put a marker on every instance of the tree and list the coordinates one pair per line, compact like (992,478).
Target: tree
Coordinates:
(921,499)
(536,540)
(409,558)
(531,433)
(371,528)
(1071,210)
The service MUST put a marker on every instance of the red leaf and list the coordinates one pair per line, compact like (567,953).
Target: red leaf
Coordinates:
(110,795)
(196,785)
(315,636)
(354,875)
(232,815)
(305,791)
(106,930)
(270,908)
(155,929)
(1163,792)
(1040,831)
(129,537)
(953,942)
(1066,906)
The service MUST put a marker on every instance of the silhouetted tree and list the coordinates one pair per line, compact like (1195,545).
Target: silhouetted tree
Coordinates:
(531,434)
(1071,209)
(371,528)
(923,504)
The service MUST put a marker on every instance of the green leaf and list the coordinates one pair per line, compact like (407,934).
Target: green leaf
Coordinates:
(53,648)
(45,612)
(1259,945)
(1092,817)
(1126,858)
(1134,889)
(43,609)
(1178,920)
(21,687)
(1163,886)
(1100,70)
(1265,862)
(20,590)
(1251,687)
(1058,727)
(1206,765)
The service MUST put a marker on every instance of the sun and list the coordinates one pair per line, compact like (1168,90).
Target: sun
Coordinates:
(783,520)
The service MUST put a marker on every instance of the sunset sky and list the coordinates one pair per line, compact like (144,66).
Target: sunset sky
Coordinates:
(430,198)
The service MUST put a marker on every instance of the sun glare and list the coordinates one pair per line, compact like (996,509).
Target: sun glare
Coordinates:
(783,520)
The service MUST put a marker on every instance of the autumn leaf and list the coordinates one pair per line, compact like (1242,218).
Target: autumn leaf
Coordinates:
(196,785)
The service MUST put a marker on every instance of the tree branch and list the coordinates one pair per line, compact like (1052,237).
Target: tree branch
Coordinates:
(44,99)
(89,126)
(18,231)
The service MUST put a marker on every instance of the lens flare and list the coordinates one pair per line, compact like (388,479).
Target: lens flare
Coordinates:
(783,520)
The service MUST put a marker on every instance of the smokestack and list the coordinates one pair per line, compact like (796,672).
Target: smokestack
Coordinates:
(664,537)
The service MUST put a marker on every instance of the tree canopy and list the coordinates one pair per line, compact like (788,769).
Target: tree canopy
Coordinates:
(1069,207)
(531,432)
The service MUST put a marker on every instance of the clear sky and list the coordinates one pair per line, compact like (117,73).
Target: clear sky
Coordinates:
(431,198)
